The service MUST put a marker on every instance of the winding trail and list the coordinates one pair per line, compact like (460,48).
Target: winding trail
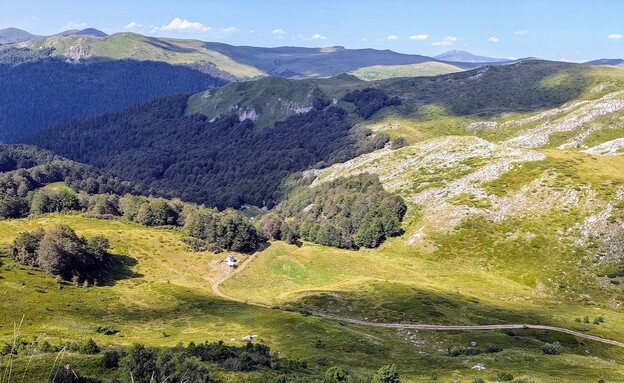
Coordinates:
(416,326)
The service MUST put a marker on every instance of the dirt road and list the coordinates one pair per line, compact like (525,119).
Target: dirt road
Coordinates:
(416,326)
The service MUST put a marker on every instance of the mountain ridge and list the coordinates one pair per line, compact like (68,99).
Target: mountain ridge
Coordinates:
(467,57)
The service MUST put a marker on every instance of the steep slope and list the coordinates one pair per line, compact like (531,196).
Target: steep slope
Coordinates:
(35,93)
(224,162)
(133,46)
(269,99)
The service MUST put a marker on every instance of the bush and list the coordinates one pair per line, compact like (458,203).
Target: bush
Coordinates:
(493,348)
(336,374)
(398,143)
(140,363)
(502,376)
(111,359)
(89,347)
(386,374)
(552,348)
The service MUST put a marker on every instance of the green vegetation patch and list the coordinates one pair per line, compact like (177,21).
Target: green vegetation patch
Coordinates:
(380,72)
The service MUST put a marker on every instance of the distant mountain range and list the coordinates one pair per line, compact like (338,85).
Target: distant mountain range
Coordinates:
(15,35)
(239,62)
(467,57)
(613,62)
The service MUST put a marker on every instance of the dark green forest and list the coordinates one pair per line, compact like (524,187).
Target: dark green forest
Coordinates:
(347,213)
(225,163)
(36,92)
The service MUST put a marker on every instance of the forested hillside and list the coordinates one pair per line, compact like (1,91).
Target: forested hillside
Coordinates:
(35,92)
(224,163)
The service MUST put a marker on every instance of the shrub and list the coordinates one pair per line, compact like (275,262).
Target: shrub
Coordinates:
(492,348)
(386,374)
(552,348)
(398,143)
(336,374)
(89,347)
(111,359)
(502,376)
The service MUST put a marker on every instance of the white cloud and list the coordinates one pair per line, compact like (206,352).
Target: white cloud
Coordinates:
(179,25)
(521,32)
(493,39)
(392,37)
(72,25)
(615,36)
(279,33)
(319,37)
(448,40)
(229,30)
(418,37)
(132,25)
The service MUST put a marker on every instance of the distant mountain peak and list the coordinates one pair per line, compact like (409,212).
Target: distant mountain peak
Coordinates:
(84,32)
(15,35)
(91,32)
(466,57)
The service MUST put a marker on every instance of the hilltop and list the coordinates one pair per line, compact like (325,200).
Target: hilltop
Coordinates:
(14,35)
(467,57)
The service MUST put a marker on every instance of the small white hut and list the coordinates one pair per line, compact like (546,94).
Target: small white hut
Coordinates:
(231,261)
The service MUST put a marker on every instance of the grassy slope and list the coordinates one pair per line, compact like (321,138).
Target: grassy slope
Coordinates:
(272,98)
(170,300)
(381,72)
(429,120)
(138,47)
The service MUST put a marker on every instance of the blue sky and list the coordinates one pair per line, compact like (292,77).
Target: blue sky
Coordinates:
(574,30)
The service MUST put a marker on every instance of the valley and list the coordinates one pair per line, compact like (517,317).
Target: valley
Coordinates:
(350,209)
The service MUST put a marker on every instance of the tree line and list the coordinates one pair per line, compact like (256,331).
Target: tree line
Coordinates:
(193,363)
